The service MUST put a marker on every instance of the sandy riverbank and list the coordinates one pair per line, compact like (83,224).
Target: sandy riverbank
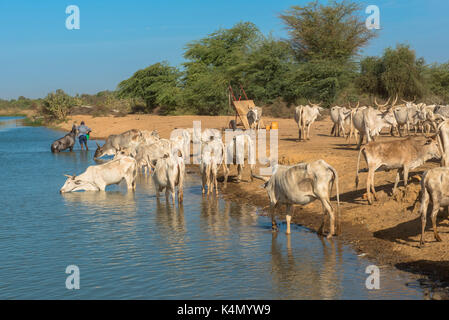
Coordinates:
(386,231)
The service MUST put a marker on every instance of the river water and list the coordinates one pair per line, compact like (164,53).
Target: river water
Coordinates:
(132,246)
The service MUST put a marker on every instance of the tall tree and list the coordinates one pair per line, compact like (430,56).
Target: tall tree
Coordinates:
(213,63)
(326,32)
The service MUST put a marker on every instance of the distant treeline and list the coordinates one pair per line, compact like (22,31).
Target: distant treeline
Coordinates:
(319,61)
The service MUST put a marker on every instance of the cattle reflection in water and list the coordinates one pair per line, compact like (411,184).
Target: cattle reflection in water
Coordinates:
(303,276)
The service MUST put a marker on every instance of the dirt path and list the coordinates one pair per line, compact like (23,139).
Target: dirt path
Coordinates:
(386,231)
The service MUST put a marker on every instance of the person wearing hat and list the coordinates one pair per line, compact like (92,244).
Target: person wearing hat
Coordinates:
(83,132)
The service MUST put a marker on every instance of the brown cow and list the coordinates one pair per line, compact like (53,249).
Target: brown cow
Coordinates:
(402,155)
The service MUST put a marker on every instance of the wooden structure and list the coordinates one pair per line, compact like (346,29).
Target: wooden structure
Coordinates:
(241,107)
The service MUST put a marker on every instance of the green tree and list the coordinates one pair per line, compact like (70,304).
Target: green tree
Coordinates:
(402,72)
(214,63)
(326,32)
(157,85)
(397,72)
(268,69)
(369,80)
(438,80)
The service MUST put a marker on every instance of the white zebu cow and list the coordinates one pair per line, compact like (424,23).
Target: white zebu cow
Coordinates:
(212,156)
(145,155)
(129,139)
(150,137)
(305,116)
(435,187)
(168,174)
(443,141)
(341,117)
(302,184)
(180,139)
(239,149)
(370,122)
(96,178)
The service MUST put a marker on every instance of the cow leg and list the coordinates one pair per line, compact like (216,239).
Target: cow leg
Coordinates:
(361,135)
(215,180)
(239,172)
(343,130)
(396,182)
(328,208)
(251,170)
(333,130)
(369,180)
(226,168)
(180,189)
(435,210)
(373,189)
(288,218)
(203,182)
(406,169)
(424,205)
(274,226)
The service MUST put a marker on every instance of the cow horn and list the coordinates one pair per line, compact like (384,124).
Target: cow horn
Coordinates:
(395,100)
(380,105)
(260,177)
(97,144)
(68,176)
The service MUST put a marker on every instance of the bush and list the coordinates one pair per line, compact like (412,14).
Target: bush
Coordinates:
(57,105)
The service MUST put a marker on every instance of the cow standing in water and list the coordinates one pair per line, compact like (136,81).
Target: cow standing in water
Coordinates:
(302,184)
(66,142)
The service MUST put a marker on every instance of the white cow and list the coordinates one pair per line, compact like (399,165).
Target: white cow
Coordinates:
(168,174)
(305,116)
(239,149)
(212,156)
(96,178)
(302,184)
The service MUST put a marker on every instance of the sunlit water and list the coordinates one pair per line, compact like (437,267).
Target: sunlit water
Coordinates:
(130,245)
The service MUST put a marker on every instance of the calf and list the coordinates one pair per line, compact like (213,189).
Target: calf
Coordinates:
(435,187)
(96,178)
(301,184)
(403,155)
(66,142)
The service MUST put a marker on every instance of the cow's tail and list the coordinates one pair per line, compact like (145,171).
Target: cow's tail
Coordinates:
(358,167)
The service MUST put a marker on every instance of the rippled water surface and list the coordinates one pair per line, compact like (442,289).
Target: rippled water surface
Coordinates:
(130,245)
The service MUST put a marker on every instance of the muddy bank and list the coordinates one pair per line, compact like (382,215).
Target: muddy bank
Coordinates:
(387,232)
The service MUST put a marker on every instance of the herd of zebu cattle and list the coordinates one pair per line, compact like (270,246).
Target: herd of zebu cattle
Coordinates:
(140,150)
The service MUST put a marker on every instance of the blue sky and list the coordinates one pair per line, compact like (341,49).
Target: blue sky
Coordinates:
(38,54)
